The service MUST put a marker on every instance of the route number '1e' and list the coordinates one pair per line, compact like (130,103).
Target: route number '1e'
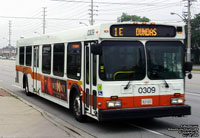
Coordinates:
(119,31)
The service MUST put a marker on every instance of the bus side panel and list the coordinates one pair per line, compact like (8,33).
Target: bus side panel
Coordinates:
(30,82)
(54,87)
(21,74)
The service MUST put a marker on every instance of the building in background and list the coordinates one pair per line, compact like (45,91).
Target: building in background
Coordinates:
(8,52)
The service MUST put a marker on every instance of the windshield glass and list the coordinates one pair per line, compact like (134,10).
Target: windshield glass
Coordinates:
(122,60)
(165,60)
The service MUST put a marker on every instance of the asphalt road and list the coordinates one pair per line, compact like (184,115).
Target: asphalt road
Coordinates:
(152,128)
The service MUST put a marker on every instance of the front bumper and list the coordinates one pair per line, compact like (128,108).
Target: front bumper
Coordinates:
(144,112)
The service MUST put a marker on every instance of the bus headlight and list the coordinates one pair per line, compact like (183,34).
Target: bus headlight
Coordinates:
(113,104)
(177,100)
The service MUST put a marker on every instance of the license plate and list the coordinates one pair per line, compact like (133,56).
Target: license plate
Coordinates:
(146,101)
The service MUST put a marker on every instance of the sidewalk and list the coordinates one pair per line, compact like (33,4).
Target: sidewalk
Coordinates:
(18,119)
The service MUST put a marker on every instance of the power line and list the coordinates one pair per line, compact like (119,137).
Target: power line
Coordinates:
(115,3)
(37,18)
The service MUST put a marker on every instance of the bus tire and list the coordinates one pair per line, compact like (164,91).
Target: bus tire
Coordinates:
(76,108)
(26,88)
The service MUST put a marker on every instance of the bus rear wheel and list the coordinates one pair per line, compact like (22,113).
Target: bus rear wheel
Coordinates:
(76,109)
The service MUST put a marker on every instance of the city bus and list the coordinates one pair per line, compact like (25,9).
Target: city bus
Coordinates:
(109,71)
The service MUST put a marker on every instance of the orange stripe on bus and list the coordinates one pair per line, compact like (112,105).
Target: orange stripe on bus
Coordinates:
(135,101)
(28,70)
(71,82)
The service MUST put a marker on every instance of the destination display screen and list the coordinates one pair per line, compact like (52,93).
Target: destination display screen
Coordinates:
(141,30)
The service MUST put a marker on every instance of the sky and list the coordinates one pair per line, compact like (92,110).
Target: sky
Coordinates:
(26,15)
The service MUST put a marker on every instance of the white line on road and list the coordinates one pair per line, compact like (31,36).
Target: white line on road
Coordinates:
(152,131)
(17,86)
(195,85)
(193,94)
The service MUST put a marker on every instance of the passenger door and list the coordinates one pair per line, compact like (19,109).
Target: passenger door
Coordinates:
(90,81)
(36,75)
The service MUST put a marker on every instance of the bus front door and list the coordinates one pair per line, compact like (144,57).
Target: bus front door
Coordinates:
(90,81)
(36,75)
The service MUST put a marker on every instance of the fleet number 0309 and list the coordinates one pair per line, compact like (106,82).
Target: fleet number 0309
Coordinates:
(146,90)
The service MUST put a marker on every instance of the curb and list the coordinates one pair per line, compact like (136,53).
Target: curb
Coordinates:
(196,72)
(62,124)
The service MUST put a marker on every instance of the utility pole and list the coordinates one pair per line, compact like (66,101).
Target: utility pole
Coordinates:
(92,13)
(9,34)
(44,19)
(189,33)
(9,37)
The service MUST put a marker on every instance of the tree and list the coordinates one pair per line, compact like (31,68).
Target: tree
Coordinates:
(195,38)
(125,17)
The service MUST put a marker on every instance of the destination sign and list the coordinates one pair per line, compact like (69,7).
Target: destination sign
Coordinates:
(141,30)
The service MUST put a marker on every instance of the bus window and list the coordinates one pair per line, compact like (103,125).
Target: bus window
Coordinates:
(87,65)
(28,55)
(122,60)
(21,55)
(165,60)
(74,60)
(58,59)
(94,70)
(46,59)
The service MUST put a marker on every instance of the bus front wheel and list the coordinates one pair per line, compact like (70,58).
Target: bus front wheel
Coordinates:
(76,108)
(26,89)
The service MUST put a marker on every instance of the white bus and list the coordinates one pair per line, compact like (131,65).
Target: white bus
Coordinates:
(108,71)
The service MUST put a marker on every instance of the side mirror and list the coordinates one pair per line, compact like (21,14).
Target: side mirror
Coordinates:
(190,76)
(188,66)
(96,49)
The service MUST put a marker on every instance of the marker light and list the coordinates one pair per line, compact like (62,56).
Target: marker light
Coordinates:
(106,31)
(144,23)
(135,22)
(179,30)
(152,23)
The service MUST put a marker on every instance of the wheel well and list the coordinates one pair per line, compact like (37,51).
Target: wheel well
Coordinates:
(24,80)
(73,92)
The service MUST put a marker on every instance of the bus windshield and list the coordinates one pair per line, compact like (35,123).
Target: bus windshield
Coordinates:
(165,60)
(122,60)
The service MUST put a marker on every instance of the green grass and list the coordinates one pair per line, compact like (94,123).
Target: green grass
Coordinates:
(196,70)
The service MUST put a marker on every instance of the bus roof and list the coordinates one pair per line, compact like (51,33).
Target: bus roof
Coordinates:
(86,33)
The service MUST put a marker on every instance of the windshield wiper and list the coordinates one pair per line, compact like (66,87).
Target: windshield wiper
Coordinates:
(166,84)
(127,85)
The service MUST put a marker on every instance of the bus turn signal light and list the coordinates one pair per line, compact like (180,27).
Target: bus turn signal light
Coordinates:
(177,95)
(114,97)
